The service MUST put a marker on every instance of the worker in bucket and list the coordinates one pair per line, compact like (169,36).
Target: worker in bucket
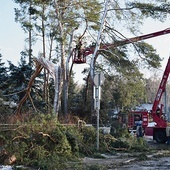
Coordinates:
(79,49)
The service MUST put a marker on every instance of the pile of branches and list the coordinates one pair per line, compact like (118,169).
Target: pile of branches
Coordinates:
(44,143)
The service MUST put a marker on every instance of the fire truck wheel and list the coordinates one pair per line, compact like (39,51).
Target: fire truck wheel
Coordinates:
(160,136)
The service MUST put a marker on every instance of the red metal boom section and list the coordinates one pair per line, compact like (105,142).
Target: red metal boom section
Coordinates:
(90,50)
(79,55)
(157,118)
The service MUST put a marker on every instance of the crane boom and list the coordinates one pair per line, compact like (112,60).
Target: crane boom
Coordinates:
(160,122)
(90,50)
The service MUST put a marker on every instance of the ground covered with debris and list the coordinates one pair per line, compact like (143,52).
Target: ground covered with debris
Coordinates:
(20,146)
(157,157)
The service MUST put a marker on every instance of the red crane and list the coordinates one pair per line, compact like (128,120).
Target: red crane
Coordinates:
(156,111)
(79,54)
(158,128)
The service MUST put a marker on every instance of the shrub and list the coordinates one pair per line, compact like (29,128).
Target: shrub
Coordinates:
(45,143)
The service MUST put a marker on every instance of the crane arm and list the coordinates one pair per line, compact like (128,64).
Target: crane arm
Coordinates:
(90,50)
(161,90)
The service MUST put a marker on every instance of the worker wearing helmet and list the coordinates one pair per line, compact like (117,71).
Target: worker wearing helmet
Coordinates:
(79,49)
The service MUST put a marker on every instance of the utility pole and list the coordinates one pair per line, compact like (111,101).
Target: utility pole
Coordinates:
(98,39)
(97,79)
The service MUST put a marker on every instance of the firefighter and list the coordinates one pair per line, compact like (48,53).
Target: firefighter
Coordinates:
(168,133)
(138,123)
(139,132)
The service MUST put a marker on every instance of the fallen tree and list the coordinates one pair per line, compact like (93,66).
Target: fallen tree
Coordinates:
(54,71)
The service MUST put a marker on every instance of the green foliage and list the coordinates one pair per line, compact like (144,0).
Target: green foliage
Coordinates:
(142,157)
(139,145)
(125,90)
(18,79)
(2,139)
(44,143)
(42,140)
(156,9)
(47,141)
(88,144)
(73,139)
(151,58)
(16,82)
(85,15)
(96,167)
(59,19)
(3,74)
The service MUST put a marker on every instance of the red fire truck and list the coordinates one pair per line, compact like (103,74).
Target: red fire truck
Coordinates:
(158,128)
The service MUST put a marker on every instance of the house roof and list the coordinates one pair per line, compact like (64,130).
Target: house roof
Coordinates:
(145,106)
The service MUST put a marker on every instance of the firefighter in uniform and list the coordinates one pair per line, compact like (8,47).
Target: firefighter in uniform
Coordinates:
(168,133)
(138,123)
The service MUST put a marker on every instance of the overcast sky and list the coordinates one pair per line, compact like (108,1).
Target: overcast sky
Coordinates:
(11,35)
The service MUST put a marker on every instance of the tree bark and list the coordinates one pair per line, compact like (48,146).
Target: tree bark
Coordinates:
(28,90)
(57,91)
(63,62)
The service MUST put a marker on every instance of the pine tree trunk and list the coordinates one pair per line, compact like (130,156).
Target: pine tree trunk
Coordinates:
(57,91)
(63,62)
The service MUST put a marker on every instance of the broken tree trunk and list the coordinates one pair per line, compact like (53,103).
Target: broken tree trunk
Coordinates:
(55,72)
(37,72)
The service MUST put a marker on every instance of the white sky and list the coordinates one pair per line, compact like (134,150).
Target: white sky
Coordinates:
(12,37)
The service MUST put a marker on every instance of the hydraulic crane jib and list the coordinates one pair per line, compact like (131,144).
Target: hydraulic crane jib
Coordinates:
(79,54)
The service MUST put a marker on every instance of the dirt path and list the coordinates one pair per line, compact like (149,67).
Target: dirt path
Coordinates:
(162,163)
(158,159)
